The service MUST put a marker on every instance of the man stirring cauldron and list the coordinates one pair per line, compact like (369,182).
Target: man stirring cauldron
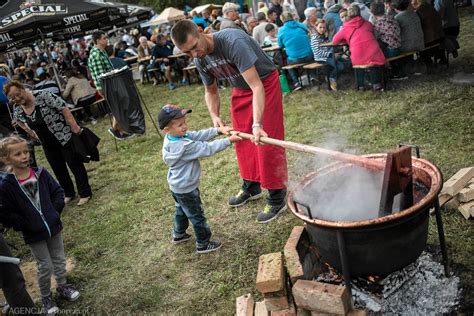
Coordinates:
(256,107)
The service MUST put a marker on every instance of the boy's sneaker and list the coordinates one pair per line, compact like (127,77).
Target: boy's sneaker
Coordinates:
(270,212)
(68,292)
(213,245)
(243,197)
(171,86)
(178,240)
(49,306)
(185,82)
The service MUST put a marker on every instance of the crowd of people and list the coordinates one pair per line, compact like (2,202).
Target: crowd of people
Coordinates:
(39,88)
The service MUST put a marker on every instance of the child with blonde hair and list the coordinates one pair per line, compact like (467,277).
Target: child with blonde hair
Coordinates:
(31,201)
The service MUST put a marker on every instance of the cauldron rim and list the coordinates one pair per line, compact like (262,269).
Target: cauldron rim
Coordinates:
(418,163)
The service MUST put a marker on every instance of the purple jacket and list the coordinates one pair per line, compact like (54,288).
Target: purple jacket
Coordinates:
(17,211)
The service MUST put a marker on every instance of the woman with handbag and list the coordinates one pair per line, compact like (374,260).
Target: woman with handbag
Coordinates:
(48,117)
(364,48)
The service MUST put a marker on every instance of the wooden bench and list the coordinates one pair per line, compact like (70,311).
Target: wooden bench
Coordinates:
(98,102)
(319,68)
(189,68)
(298,67)
(403,55)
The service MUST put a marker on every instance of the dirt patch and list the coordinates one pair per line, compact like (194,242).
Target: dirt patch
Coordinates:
(28,268)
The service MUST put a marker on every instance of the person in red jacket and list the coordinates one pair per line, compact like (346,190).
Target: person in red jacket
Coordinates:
(364,48)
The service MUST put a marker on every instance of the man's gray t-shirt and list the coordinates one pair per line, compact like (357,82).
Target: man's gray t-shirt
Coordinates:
(234,52)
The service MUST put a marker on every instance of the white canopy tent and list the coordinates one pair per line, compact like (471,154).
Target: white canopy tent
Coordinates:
(201,8)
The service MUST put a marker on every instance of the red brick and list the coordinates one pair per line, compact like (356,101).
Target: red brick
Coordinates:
(357,312)
(261,309)
(276,303)
(292,257)
(244,305)
(285,312)
(271,273)
(322,297)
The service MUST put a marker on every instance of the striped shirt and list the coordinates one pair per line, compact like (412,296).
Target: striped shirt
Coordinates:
(98,64)
(320,53)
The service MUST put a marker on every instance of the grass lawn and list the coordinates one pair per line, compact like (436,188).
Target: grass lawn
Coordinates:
(120,241)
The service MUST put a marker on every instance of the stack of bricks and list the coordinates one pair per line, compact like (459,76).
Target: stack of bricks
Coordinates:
(288,287)
(458,192)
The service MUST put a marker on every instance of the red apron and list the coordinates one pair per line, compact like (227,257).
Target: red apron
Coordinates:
(265,164)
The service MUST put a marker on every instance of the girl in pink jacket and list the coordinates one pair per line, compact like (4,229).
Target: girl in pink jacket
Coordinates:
(364,48)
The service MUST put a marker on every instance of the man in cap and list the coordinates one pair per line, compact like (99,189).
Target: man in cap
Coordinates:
(256,107)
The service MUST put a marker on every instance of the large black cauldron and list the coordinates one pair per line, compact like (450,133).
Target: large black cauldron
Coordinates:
(377,246)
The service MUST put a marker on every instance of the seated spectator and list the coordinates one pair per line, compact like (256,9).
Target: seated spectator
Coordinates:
(314,4)
(6,127)
(333,21)
(326,55)
(389,9)
(46,83)
(273,17)
(262,8)
(272,40)
(364,10)
(117,62)
(30,77)
(81,93)
(387,30)
(289,6)
(231,17)
(450,24)
(311,18)
(78,64)
(364,48)
(41,69)
(144,58)
(259,33)
(432,31)
(343,15)
(411,32)
(199,19)
(251,24)
(293,36)
(160,53)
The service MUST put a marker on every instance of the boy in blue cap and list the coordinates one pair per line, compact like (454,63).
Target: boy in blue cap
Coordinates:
(181,152)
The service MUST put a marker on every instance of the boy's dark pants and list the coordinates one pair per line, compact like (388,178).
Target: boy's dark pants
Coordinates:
(12,281)
(189,209)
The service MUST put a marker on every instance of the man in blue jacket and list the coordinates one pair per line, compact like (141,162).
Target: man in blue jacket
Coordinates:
(294,37)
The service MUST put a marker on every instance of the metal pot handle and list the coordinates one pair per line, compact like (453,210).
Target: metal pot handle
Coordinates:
(417,149)
(308,209)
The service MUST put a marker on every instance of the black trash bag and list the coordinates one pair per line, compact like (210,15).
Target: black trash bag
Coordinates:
(121,94)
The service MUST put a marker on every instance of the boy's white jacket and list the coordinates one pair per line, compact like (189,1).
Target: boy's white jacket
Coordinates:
(182,155)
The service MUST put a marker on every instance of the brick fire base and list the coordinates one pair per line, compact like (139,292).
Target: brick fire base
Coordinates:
(288,287)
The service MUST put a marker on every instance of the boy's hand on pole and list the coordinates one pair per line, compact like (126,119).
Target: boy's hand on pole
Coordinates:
(225,130)
(234,138)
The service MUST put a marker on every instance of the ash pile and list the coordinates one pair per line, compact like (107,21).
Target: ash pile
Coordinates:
(420,288)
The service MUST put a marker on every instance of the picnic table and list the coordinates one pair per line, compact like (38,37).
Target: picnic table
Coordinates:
(273,48)
(131,59)
(178,55)
(331,44)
